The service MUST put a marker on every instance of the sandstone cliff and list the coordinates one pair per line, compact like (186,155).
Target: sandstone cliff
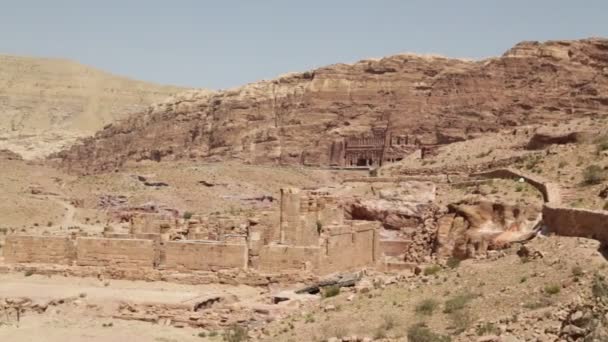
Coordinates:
(294,118)
(45,103)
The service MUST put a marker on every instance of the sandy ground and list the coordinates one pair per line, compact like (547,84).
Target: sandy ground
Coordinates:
(85,319)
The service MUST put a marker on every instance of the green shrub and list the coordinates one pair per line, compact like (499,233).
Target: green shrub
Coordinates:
(421,333)
(29,273)
(519,188)
(330,291)
(552,289)
(426,307)
(235,333)
(593,174)
(310,318)
(431,270)
(457,302)
(453,262)
(187,215)
(562,164)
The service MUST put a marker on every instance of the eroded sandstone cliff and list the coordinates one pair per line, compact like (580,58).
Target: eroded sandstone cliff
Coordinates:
(294,118)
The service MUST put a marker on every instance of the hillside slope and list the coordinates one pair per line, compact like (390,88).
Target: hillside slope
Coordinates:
(47,103)
(295,118)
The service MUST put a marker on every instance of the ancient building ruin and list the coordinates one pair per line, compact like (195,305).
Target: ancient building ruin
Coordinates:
(372,149)
(308,234)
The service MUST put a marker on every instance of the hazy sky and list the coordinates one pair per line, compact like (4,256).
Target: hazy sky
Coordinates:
(223,43)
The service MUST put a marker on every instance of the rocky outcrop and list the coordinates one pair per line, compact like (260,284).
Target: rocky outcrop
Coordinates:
(295,118)
(545,137)
(471,229)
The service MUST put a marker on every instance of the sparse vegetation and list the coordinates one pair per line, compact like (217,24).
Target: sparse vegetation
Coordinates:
(458,302)
(330,291)
(552,289)
(543,302)
(577,271)
(187,215)
(431,270)
(593,174)
(453,262)
(235,333)
(487,328)
(599,288)
(421,333)
(426,307)
(519,188)
(29,273)
(461,321)
(388,323)
(602,143)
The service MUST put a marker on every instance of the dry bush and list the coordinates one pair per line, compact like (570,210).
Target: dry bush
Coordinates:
(593,174)
(421,333)
(427,307)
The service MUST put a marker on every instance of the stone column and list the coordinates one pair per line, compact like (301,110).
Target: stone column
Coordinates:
(290,215)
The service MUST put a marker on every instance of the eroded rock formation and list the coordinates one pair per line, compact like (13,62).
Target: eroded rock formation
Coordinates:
(472,229)
(295,118)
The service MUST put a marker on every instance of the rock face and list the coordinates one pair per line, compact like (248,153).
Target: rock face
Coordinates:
(48,102)
(546,137)
(471,229)
(294,119)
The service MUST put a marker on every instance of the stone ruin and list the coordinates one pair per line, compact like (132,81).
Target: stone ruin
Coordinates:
(373,149)
(309,234)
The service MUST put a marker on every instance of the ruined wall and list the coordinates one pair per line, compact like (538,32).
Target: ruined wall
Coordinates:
(348,250)
(393,247)
(204,256)
(586,223)
(128,253)
(298,222)
(550,191)
(38,249)
(277,258)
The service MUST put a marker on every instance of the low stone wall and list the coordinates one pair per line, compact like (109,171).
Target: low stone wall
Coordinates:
(204,256)
(586,223)
(127,253)
(276,258)
(38,249)
(549,190)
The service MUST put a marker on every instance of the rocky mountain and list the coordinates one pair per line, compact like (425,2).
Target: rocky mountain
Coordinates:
(295,118)
(48,103)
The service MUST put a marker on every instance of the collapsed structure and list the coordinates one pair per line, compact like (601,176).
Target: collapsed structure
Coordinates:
(311,235)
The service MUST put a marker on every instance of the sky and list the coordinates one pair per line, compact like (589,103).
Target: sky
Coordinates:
(226,43)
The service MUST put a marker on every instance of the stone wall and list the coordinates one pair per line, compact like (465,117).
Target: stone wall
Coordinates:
(394,247)
(204,256)
(276,258)
(38,249)
(586,223)
(349,250)
(549,190)
(128,253)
